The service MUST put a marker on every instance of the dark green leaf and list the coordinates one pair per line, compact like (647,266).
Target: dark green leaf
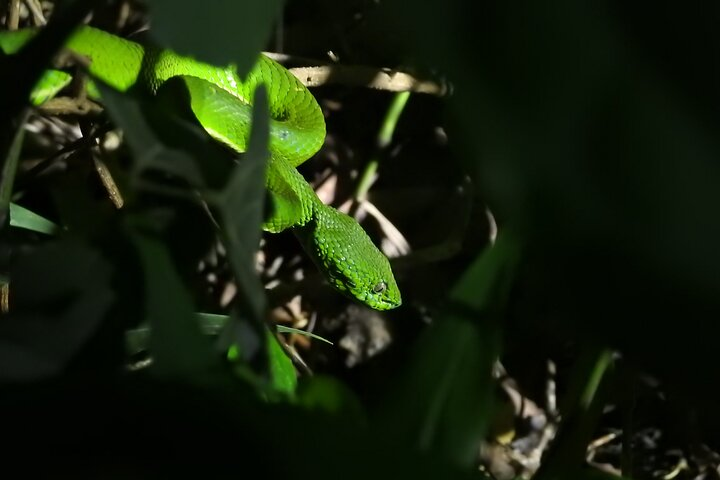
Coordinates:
(210,324)
(325,393)
(59,296)
(443,403)
(177,345)
(240,206)
(220,33)
(167,139)
(16,133)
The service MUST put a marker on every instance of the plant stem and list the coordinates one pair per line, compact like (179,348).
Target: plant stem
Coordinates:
(10,167)
(384,138)
(13,18)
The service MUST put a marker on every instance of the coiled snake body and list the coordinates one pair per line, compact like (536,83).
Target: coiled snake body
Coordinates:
(338,245)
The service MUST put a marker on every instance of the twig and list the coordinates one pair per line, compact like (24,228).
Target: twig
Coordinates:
(75,145)
(108,182)
(398,240)
(549,430)
(4,296)
(325,73)
(599,442)
(296,358)
(370,77)
(36,11)
(679,467)
(70,106)
(13,18)
(551,391)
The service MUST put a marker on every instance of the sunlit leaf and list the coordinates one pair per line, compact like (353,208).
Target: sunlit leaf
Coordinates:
(284,376)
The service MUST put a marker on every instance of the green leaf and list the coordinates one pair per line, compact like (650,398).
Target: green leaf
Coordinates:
(327,394)
(210,324)
(240,207)
(284,329)
(59,296)
(284,376)
(177,345)
(443,400)
(164,136)
(16,131)
(241,204)
(21,217)
(220,33)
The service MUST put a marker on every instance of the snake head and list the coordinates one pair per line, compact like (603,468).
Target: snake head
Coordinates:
(351,262)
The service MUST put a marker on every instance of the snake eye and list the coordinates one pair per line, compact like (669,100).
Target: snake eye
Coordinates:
(380,287)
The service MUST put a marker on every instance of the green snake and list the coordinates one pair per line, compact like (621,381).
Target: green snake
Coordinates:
(338,245)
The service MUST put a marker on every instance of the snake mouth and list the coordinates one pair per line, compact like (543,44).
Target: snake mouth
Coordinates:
(390,304)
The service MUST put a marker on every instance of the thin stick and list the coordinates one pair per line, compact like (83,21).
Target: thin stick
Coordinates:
(70,148)
(13,19)
(70,106)
(325,73)
(36,11)
(370,77)
(108,182)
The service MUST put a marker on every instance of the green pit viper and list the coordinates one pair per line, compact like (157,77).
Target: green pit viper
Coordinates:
(338,245)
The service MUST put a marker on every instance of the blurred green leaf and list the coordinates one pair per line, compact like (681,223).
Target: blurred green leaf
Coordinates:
(605,157)
(210,324)
(163,136)
(240,205)
(21,217)
(443,401)
(16,134)
(274,437)
(60,294)
(202,30)
(328,394)
(177,345)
